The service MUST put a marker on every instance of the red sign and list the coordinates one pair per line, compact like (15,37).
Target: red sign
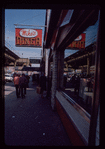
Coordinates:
(78,43)
(28,37)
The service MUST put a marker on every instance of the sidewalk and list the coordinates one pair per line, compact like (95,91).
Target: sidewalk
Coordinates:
(31,121)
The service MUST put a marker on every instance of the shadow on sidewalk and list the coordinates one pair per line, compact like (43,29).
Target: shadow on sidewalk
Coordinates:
(31,121)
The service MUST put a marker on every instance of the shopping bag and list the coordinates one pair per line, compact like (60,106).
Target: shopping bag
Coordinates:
(38,89)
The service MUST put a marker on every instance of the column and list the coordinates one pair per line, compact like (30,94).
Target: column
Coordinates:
(14,65)
(88,66)
(54,79)
(46,62)
(96,92)
(61,68)
(28,62)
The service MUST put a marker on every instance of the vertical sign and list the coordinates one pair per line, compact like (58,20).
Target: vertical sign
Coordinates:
(28,37)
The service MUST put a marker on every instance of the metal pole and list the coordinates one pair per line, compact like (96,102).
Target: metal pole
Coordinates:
(30,25)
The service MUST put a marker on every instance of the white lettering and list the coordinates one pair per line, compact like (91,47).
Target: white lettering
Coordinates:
(28,33)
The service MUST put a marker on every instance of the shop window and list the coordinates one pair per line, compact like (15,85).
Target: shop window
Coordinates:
(78,80)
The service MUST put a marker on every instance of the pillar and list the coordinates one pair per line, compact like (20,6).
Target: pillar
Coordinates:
(54,78)
(28,62)
(88,66)
(15,64)
(46,62)
(96,92)
(61,69)
(82,69)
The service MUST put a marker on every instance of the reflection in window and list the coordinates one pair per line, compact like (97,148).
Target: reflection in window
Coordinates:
(79,70)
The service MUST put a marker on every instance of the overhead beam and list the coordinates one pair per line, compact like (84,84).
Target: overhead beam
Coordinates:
(10,57)
(80,57)
(11,53)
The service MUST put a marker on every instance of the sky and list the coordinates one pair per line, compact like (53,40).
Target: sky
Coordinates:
(34,17)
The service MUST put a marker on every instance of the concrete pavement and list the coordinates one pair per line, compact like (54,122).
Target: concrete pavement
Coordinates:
(31,121)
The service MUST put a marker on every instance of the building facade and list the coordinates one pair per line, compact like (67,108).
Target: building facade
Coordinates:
(63,27)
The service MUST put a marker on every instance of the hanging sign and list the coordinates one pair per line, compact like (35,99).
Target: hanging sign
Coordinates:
(78,43)
(28,37)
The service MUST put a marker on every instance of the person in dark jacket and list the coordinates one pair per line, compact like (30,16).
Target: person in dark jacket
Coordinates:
(27,77)
(22,84)
(42,83)
(37,79)
(33,78)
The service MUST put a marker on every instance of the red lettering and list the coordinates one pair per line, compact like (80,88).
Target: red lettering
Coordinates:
(29,32)
(33,33)
(24,33)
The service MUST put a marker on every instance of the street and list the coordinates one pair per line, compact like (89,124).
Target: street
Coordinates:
(31,121)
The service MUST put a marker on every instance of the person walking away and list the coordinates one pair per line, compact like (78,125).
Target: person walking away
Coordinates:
(16,83)
(22,83)
(42,83)
(27,77)
(37,79)
(19,85)
(33,78)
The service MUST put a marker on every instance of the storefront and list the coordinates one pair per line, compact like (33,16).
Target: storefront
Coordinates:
(63,27)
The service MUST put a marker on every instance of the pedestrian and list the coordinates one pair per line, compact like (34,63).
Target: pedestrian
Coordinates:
(22,83)
(37,79)
(42,83)
(16,83)
(27,77)
(33,78)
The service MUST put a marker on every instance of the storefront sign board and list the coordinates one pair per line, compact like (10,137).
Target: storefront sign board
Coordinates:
(28,37)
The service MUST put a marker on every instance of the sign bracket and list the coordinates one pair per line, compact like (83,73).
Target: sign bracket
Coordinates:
(30,25)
